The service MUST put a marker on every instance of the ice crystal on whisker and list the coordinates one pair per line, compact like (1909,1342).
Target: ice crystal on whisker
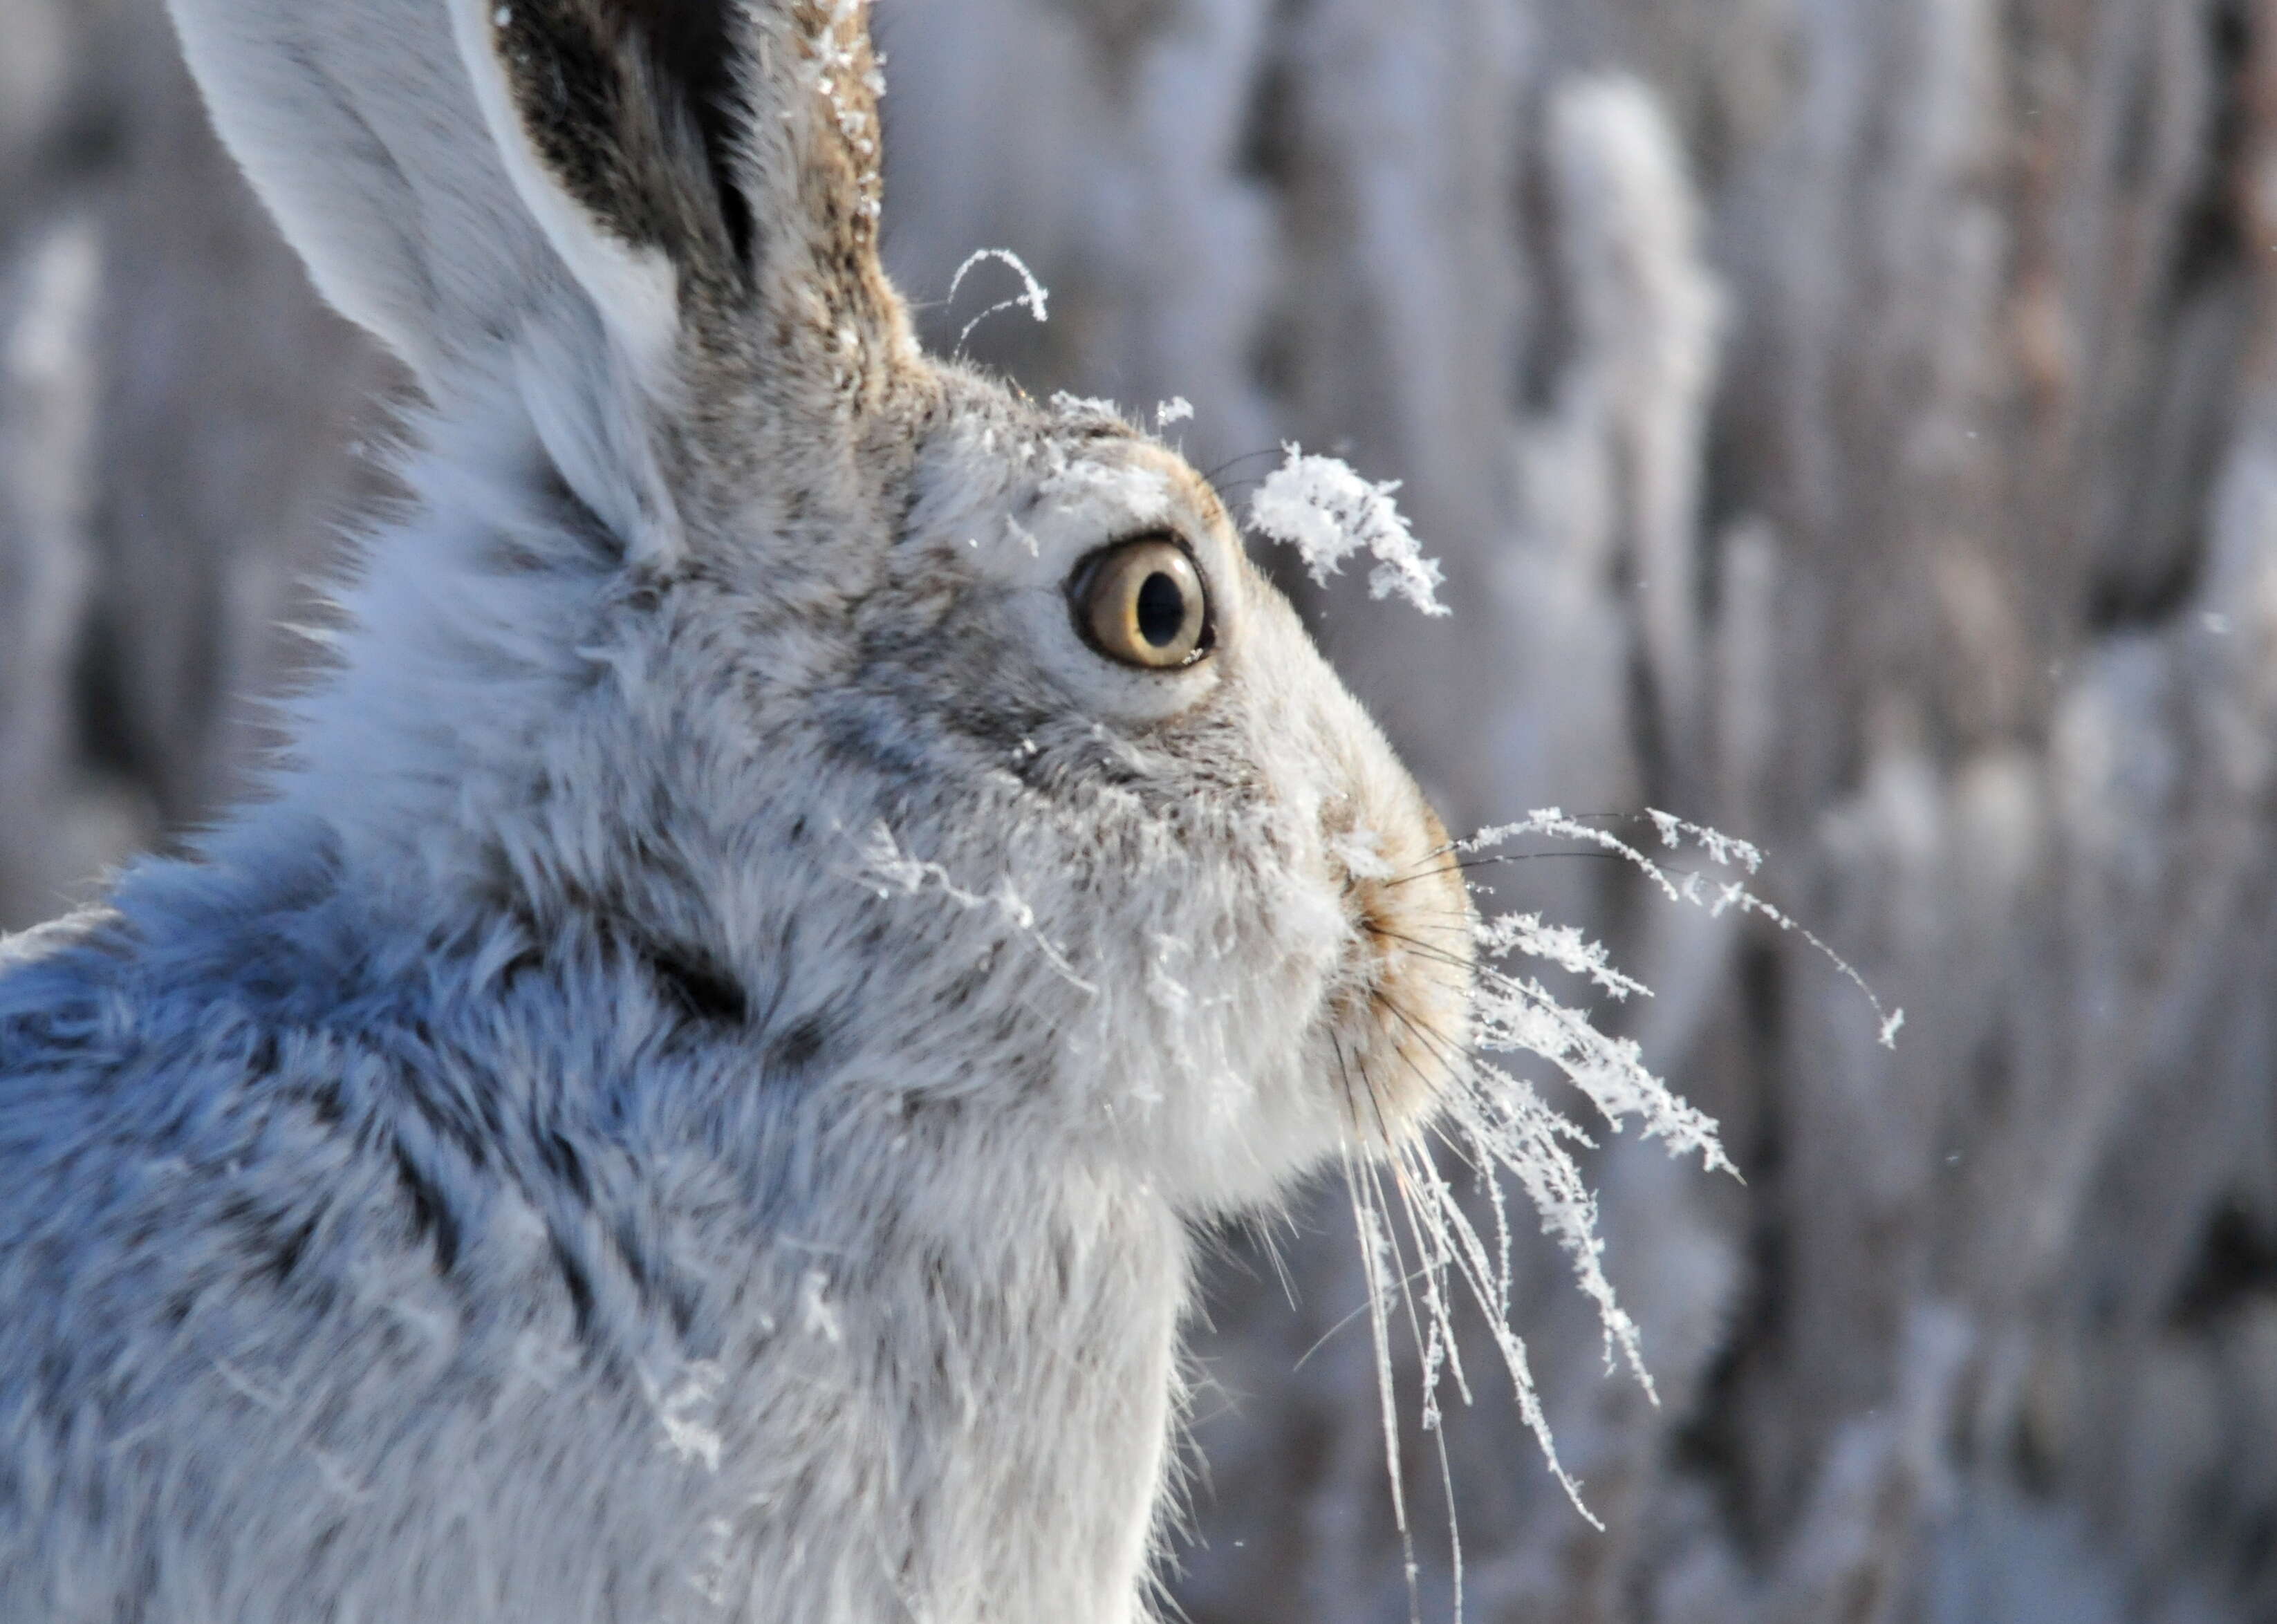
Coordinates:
(1328,512)
(1721,848)
(1496,1121)
(1562,945)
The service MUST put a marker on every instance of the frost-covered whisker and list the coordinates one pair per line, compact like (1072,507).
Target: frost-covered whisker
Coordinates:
(1717,898)
(1375,1251)
(1721,847)
(1563,945)
(1036,299)
(1495,1121)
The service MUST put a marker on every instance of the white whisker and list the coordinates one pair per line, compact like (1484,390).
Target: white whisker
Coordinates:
(1373,1245)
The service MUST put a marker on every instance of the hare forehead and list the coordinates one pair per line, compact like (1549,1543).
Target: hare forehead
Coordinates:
(1004,442)
(1001,504)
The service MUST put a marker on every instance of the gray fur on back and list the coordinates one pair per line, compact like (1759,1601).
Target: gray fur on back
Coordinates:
(687,1097)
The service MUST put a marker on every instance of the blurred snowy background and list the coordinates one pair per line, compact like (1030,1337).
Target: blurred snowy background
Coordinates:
(1852,423)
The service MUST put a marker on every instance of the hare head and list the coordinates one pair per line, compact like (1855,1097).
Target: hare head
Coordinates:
(812,870)
(946,737)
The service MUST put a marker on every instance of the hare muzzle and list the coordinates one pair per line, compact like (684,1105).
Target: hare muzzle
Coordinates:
(1400,1032)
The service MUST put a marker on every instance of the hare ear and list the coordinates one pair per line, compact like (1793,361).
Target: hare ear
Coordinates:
(452,168)
(725,150)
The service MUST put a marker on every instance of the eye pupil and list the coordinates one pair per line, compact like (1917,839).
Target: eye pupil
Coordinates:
(1143,603)
(1161,610)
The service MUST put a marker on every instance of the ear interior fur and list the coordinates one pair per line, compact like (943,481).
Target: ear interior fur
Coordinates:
(615,120)
(633,105)
(691,44)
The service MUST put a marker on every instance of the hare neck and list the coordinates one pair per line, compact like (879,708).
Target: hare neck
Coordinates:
(988,1370)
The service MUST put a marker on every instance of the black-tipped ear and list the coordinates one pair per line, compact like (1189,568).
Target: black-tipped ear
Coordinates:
(449,168)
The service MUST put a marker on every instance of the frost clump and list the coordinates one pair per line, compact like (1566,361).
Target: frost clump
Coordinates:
(1328,512)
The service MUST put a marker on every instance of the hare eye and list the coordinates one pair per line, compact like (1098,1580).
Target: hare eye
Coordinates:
(1142,604)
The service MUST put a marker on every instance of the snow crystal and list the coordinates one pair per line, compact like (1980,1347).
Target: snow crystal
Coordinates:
(1327,512)
(682,1409)
(820,1314)
(1562,944)
(1721,848)
(892,870)
(836,68)
(1070,405)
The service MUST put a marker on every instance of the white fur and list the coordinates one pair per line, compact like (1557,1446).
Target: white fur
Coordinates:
(361,130)
(400,1220)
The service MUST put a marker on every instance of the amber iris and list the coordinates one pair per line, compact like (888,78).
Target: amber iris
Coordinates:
(1142,603)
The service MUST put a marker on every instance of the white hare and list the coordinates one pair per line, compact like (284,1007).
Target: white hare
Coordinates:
(688,1098)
